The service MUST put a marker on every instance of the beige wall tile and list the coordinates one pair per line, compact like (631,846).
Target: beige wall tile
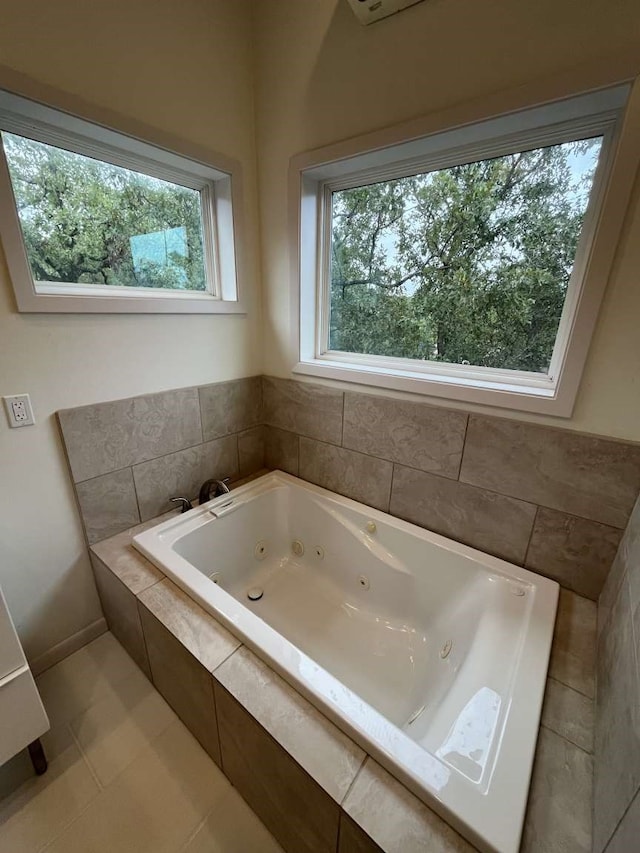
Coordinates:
(328,755)
(411,433)
(617,745)
(183,473)
(114,435)
(301,816)
(281,450)
(573,654)
(303,407)
(108,504)
(352,474)
(183,681)
(573,551)
(353,839)
(559,809)
(493,523)
(590,477)
(395,819)
(251,451)
(569,714)
(625,564)
(201,635)
(120,608)
(229,407)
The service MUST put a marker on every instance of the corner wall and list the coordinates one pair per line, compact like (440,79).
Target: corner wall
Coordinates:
(321,77)
(616,810)
(182,69)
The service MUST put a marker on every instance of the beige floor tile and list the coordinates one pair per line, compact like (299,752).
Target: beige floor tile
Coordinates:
(231,827)
(155,805)
(114,731)
(43,806)
(84,678)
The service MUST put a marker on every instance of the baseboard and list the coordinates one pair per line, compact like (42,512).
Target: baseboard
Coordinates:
(67,647)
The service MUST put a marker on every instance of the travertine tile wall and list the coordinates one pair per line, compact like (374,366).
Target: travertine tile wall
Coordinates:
(549,499)
(617,745)
(128,457)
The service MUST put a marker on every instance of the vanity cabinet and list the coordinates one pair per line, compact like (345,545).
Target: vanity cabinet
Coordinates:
(22,715)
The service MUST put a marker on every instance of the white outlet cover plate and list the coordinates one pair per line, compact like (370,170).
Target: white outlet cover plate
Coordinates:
(368,11)
(15,422)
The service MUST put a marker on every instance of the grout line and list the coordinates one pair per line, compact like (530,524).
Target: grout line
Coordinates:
(215,711)
(464,446)
(140,604)
(135,492)
(567,739)
(342,420)
(85,758)
(533,527)
(218,665)
(571,687)
(620,822)
(353,781)
(200,418)
(393,474)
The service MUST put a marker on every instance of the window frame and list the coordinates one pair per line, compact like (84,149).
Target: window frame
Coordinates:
(316,175)
(33,120)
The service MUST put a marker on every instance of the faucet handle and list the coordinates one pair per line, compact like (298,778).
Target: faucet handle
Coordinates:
(186,503)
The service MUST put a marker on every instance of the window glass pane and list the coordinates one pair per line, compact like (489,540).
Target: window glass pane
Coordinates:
(467,265)
(89,222)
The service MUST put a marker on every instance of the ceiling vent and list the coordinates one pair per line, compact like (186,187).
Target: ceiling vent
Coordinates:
(368,11)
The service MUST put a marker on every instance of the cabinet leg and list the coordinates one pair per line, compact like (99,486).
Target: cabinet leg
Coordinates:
(38,758)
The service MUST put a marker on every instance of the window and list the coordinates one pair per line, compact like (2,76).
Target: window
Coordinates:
(93,220)
(456,264)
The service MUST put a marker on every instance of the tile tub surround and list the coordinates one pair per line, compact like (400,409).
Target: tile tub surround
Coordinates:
(617,745)
(127,457)
(549,499)
(309,783)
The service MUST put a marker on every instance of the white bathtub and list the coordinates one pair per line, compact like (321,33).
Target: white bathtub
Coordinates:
(431,655)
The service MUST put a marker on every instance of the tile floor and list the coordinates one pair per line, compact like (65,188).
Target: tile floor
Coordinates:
(125,775)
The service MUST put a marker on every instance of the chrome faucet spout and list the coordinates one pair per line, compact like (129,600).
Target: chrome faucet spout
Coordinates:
(213,489)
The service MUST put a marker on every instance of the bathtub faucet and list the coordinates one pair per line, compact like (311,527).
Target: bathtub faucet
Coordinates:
(213,489)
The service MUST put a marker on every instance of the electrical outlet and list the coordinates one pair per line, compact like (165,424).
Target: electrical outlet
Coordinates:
(19,411)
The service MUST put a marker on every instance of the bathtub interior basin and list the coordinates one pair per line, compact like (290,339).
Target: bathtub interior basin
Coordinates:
(431,655)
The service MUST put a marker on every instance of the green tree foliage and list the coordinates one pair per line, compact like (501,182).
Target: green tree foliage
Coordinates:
(78,216)
(469,264)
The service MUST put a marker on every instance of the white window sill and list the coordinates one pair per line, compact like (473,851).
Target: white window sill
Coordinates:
(521,397)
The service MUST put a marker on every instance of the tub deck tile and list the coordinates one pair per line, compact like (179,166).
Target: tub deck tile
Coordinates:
(128,565)
(395,819)
(328,755)
(201,635)
(573,655)
(559,809)
(569,714)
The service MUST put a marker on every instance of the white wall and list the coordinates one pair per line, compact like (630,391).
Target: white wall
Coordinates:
(183,68)
(321,78)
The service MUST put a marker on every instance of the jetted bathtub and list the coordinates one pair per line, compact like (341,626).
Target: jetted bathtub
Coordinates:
(431,655)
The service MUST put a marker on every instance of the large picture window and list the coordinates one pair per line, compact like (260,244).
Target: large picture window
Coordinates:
(456,264)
